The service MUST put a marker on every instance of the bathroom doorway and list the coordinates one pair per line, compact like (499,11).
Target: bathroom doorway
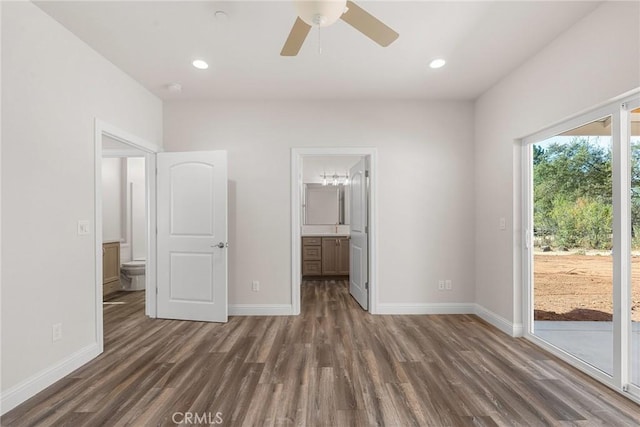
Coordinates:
(326,198)
(124,215)
(333,201)
(124,220)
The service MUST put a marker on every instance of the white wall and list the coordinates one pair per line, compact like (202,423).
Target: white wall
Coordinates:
(54,86)
(595,60)
(113,200)
(137,207)
(123,205)
(314,167)
(426,226)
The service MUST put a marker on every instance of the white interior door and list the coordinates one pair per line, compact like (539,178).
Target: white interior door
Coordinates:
(192,236)
(358,242)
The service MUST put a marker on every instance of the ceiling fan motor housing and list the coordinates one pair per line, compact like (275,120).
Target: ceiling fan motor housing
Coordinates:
(320,13)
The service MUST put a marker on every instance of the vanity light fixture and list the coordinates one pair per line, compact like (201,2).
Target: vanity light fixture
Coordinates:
(335,179)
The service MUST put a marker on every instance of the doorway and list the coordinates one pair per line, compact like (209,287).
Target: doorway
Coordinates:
(124,224)
(120,144)
(325,174)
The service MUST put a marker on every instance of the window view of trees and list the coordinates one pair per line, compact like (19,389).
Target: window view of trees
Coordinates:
(572,194)
(572,219)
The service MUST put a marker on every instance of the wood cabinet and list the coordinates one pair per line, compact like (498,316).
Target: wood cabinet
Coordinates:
(335,256)
(343,256)
(311,256)
(325,256)
(110,268)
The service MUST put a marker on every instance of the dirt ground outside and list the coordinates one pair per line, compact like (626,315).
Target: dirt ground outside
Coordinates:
(579,287)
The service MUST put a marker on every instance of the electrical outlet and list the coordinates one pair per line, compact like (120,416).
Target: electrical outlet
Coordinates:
(255,286)
(56,332)
(441,285)
(447,285)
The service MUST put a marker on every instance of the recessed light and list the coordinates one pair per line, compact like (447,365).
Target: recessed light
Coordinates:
(437,63)
(200,64)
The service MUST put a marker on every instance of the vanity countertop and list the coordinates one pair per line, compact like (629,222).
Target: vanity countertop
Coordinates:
(326,234)
(326,230)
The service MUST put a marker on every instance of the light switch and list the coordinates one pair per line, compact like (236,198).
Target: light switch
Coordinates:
(83,227)
(503,224)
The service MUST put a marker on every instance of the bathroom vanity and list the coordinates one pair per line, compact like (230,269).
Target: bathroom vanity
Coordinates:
(325,231)
(325,255)
(110,268)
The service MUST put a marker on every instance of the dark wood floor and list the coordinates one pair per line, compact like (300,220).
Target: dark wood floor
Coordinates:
(334,365)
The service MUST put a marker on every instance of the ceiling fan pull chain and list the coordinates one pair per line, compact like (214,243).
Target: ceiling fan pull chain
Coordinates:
(319,41)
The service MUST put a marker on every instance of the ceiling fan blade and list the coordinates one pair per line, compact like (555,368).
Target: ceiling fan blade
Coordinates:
(296,38)
(368,25)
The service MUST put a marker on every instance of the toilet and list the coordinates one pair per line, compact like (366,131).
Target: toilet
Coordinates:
(132,275)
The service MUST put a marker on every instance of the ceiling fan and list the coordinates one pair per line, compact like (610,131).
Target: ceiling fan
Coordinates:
(322,13)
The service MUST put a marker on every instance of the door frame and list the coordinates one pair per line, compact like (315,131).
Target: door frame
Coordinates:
(297,155)
(150,150)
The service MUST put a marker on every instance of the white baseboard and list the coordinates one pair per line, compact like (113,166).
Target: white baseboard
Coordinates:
(260,310)
(518,330)
(433,308)
(509,328)
(28,388)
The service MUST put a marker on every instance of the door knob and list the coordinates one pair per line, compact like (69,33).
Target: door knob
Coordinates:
(221,245)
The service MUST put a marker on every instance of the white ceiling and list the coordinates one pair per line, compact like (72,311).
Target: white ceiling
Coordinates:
(155,42)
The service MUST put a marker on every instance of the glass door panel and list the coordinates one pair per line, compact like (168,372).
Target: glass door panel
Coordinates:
(634,345)
(572,262)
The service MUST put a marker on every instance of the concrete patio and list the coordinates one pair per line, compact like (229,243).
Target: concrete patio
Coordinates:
(590,341)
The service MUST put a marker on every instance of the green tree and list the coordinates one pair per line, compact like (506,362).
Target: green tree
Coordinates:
(573,192)
(594,223)
(635,191)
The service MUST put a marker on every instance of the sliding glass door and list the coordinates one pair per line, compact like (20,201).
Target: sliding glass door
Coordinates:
(633,125)
(572,225)
(581,224)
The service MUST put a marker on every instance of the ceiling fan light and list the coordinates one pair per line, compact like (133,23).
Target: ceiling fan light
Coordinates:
(320,13)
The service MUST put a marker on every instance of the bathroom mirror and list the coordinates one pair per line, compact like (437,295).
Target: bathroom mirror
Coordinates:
(324,204)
